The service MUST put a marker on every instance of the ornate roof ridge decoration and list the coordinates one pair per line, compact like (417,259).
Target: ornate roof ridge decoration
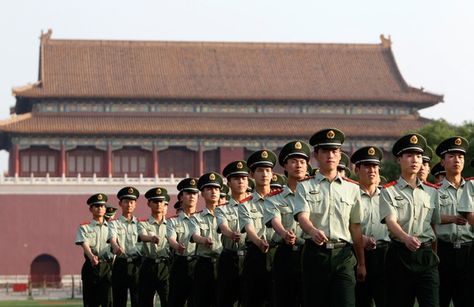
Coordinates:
(221,70)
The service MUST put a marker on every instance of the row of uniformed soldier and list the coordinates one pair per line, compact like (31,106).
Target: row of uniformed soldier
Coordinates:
(306,242)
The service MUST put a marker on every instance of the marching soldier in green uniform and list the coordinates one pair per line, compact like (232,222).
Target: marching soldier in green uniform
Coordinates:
(123,237)
(109,212)
(343,167)
(230,260)
(438,172)
(96,270)
(327,206)
(154,272)
(375,234)
(409,212)
(425,166)
(256,276)
(224,195)
(178,231)
(277,183)
(278,213)
(208,241)
(455,236)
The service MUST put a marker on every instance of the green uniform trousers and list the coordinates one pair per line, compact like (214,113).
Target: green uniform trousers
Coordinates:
(256,278)
(286,270)
(181,281)
(205,277)
(229,281)
(97,284)
(154,277)
(328,275)
(373,289)
(412,275)
(125,277)
(456,273)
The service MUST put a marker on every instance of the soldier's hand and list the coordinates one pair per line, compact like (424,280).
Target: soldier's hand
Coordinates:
(290,238)
(263,246)
(208,242)
(369,242)
(412,243)
(181,248)
(235,236)
(361,273)
(459,220)
(95,260)
(118,250)
(319,237)
(155,239)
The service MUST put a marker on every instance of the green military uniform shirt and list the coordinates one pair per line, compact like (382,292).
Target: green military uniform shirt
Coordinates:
(251,212)
(228,214)
(180,229)
(466,201)
(281,205)
(448,200)
(204,224)
(126,234)
(151,227)
(414,209)
(371,225)
(96,235)
(332,206)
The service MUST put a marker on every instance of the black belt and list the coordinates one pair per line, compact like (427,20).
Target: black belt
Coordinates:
(329,245)
(423,245)
(157,260)
(128,259)
(186,258)
(456,245)
(382,244)
(294,247)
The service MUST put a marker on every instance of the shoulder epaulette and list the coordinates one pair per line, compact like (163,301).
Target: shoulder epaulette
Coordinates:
(434,186)
(221,205)
(250,197)
(143,219)
(274,192)
(392,183)
(469,178)
(350,180)
(307,178)
(196,212)
(84,223)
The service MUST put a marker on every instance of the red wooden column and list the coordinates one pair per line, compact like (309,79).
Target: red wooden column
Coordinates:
(16,160)
(155,161)
(62,162)
(200,160)
(109,160)
(230,154)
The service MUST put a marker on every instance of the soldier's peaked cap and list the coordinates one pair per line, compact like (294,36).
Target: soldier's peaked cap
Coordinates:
(210,180)
(410,142)
(157,193)
(236,168)
(327,138)
(97,199)
(128,193)
(453,144)
(292,149)
(188,185)
(367,154)
(262,158)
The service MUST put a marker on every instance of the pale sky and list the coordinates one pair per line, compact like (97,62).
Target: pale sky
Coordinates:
(432,40)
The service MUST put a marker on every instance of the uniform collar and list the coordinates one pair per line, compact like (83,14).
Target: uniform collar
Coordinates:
(152,220)
(363,192)
(401,183)
(286,191)
(124,220)
(445,184)
(206,211)
(257,196)
(320,177)
(95,223)
(183,216)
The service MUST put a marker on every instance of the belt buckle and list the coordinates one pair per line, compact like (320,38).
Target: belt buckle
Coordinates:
(129,260)
(329,245)
(240,253)
(457,245)
(157,260)
(295,248)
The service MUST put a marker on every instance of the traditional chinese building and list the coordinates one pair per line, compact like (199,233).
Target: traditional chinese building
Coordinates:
(103,114)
